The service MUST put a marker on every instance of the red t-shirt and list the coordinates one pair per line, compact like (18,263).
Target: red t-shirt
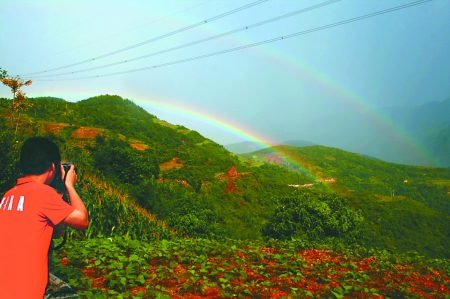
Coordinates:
(28,214)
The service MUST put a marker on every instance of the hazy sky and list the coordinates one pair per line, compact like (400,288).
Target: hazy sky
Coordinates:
(272,91)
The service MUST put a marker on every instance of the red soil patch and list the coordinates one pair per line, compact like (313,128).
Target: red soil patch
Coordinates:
(232,175)
(54,128)
(139,146)
(83,132)
(174,163)
(275,158)
(82,142)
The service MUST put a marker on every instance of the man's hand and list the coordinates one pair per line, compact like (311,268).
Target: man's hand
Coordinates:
(79,217)
(71,176)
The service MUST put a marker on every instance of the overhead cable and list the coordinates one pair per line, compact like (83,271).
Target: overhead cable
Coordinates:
(120,33)
(254,44)
(154,39)
(196,42)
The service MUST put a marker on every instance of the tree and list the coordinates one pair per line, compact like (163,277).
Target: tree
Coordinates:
(314,217)
(3,73)
(19,102)
(9,153)
(193,218)
(118,161)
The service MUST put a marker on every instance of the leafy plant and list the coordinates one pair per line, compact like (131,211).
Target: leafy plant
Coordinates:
(202,268)
(314,216)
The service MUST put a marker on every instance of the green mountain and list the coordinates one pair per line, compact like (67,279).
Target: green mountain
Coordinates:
(150,179)
(407,135)
(404,206)
(429,124)
(249,146)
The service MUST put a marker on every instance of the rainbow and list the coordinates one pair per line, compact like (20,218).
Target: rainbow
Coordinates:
(305,72)
(225,125)
(204,117)
(203,120)
(323,82)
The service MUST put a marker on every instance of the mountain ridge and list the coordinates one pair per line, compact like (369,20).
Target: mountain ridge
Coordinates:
(405,135)
(250,146)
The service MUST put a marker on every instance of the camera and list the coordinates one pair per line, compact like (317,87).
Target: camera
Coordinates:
(60,187)
(66,167)
(58,183)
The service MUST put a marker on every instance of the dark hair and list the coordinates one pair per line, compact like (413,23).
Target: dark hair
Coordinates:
(37,155)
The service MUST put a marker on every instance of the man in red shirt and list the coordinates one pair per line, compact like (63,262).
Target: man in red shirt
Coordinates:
(28,214)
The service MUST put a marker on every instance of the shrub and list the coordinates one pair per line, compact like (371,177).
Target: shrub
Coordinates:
(314,216)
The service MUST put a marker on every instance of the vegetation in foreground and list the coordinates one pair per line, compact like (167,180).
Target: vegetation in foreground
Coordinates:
(201,268)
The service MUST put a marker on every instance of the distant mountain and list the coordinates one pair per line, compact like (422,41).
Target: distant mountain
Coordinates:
(416,119)
(297,143)
(249,146)
(429,124)
(243,147)
(404,135)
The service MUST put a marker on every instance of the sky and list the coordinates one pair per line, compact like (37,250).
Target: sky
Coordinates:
(232,70)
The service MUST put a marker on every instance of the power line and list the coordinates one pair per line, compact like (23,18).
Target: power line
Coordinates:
(120,33)
(197,42)
(154,39)
(254,44)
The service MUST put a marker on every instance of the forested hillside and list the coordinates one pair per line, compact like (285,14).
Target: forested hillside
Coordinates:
(405,207)
(200,189)
(192,183)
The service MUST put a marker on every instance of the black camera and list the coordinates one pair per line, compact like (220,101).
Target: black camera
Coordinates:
(66,167)
(58,183)
(60,187)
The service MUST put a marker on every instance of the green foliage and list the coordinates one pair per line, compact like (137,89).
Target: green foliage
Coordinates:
(9,157)
(111,211)
(109,112)
(117,160)
(3,73)
(404,207)
(281,174)
(124,268)
(403,225)
(314,216)
(191,218)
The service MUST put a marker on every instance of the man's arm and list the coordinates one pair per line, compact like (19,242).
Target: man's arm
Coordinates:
(79,217)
